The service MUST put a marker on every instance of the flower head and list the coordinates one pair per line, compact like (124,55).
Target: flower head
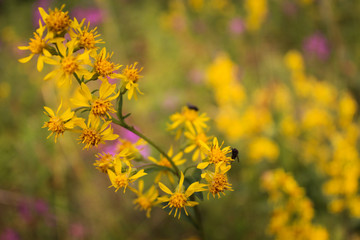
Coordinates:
(163,161)
(122,179)
(93,134)
(58,124)
(69,64)
(101,106)
(179,198)
(215,154)
(56,21)
(146,201)
(37,46)
(195,140)
(130,75)
(87,39)
(218,180)
(103,67)
(188,118)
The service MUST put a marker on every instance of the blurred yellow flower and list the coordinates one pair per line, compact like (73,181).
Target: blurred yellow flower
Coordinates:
(188,118)
(163,161)
(146,201)
(263,148)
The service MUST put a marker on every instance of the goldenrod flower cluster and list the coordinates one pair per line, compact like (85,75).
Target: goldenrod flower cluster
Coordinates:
(293,212)
(71,47)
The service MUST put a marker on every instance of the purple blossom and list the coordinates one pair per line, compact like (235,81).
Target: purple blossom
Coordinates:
(93,15)
(236,26)
(25,211)
(317,45)
(77,230)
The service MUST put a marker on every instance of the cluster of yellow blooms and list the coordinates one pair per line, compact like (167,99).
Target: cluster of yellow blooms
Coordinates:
(313,120)
(293,211)
(72,47)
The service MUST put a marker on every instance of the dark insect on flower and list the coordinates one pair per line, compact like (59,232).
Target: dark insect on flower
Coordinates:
(235,154)
(192,107)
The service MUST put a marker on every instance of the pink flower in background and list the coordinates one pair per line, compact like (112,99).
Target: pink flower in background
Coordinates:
(129,136)
(289,8)
(45,4)
(93,15)
(77,230)
(196,76)
(317,45)
(9,234)
(236,26)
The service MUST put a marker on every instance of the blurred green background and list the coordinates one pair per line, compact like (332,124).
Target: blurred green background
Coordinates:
(52,191)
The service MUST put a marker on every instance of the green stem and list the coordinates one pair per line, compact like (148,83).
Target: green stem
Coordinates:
(77,78)
(133,130)
(123,124)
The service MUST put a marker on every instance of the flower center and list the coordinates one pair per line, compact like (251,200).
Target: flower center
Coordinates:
(164,162)
(103,67)
(219,184)
(190,114)
(216,155)
(132,73)
(178,200)
(144,203)
(69,65)
(87,40)
(121,181)
(37,44)
(100,107)
(58,21)
(56,125)
(90,137)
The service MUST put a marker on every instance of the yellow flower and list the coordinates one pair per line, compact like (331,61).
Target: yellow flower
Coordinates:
(58,124)
(188,118)
(256,13)
(104,68)
(195,140)
(93,134)
(37,46)
(263,148)
(86,39)
(101,106)
(133,148)
(215,154)
(217,181)
(104,162)
(179,198)
(130,76)
(56,21)
(69,64)
(121,179)
(146,201)
(177,159)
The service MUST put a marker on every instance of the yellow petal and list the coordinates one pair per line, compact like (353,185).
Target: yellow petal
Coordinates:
(165,189)
(202,165)
(26,59)
(50,111)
